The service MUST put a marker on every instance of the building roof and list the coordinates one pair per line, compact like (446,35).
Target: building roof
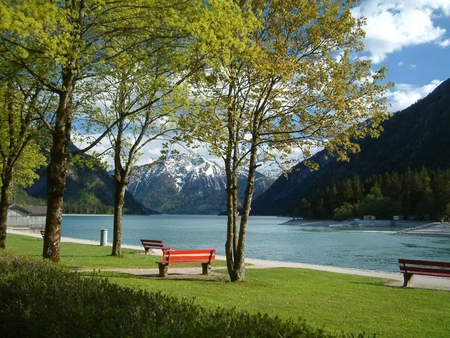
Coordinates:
(31,210)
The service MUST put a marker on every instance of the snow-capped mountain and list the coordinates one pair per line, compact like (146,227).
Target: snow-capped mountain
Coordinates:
(184,183)
(270,169)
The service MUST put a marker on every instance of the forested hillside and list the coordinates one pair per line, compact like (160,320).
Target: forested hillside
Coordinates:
(89,190)
(415,138)
(416,194)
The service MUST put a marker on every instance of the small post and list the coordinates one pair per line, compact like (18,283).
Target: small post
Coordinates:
(103,237)
(407,279)
(163,269)
(205,268)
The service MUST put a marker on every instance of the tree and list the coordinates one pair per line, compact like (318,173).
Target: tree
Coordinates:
(305,208)
(288,80)
(142,90)
(345,211)
(441,190)
(374,203)
(58,44)
(61,45)
(19,152)
(134,101)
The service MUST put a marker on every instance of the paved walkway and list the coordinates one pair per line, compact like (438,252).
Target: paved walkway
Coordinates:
(392,278)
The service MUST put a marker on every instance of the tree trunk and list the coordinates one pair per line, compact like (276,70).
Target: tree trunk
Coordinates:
(240,252)
(56,171)
(120,182)
(230,244)
(4,204)
(236,261)
(119,200)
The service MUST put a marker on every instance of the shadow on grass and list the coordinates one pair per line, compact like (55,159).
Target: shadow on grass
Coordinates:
(98,273)
(379,283)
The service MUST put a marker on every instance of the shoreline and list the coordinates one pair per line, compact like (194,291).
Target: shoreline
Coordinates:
(411,228)
(359,223)
(391,278)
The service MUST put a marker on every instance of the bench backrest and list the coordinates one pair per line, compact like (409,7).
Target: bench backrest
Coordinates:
(421,262)
(201,256)
(424,267)
(152,243)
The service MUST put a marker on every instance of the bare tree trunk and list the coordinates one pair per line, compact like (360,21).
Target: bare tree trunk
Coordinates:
(56,172)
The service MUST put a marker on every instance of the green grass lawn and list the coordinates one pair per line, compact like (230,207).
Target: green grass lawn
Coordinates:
(333,301)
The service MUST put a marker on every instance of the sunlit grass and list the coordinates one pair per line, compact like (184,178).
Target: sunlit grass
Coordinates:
(334,301)
(84,256)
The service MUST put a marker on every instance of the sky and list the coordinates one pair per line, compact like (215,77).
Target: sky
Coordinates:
(411,38)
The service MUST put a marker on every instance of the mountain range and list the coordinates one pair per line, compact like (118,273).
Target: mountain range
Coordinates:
(416,137)
(186,184)
(181,184)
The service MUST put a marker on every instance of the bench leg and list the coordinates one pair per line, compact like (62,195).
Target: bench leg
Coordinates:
(205,268)
(163,270)
(407,278)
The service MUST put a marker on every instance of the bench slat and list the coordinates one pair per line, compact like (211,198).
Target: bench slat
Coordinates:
(186,262)
(177,259)
(192,252)
(153,243)
(150,244)
(423,262)
(426,271)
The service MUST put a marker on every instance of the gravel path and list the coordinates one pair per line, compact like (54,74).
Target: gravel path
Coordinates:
(393,279)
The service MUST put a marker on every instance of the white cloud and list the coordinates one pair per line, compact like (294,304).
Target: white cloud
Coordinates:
(403,95)
(394,24)
(444,43)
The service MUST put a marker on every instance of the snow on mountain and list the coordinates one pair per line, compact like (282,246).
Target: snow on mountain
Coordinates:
(184,183)
(270,169)
(178,168)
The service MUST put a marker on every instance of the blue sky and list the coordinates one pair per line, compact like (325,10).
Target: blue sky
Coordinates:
(412,39)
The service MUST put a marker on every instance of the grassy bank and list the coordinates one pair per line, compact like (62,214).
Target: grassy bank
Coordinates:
(333,301)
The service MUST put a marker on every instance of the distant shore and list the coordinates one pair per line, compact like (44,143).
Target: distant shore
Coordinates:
(412,228)
(90,215)
(436,229)
(357,223)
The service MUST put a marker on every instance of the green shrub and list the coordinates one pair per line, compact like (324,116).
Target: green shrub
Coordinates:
(39,299)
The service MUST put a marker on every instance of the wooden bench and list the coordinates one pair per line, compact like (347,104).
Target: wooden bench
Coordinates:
(203,256)
(410,267)
(150,244)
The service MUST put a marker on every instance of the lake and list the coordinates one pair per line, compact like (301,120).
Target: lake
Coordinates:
(371,248)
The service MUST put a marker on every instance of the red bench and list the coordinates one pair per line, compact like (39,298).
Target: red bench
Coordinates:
(205,257)
(410,267)
(150,244)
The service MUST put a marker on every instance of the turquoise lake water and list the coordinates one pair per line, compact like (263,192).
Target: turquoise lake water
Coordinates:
(362,248)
